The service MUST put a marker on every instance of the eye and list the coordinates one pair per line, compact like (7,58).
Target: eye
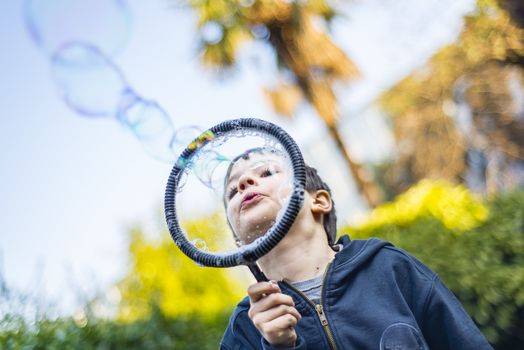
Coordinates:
(231,193)
(267,172)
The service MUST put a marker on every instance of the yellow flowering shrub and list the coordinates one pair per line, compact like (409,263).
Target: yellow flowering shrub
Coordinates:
(163,276)
(454,206)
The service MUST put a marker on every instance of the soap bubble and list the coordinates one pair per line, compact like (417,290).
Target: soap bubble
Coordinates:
(54,23)
(183,137)
(210,167)
(204,182)
(88,81)
(200,244)
(151,125)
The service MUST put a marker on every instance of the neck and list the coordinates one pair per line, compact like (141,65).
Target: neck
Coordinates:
(299,256)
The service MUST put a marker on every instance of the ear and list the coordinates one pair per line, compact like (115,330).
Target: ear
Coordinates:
(321,202)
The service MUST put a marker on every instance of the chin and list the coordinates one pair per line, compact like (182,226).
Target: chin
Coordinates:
(256,221)
(255,230)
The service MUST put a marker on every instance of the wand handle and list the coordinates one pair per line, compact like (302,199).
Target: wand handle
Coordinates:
(255,270)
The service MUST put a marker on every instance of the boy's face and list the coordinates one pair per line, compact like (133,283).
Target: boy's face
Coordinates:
(256,191)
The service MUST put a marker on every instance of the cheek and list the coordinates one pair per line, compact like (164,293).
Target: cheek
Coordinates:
(230,212)
(283,191)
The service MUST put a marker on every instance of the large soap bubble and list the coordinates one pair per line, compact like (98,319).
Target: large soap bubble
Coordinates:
(54,23)
(255,198)
(207,183)
(88,81)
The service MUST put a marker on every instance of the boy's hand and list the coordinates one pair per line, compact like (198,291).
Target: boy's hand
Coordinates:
(273,313)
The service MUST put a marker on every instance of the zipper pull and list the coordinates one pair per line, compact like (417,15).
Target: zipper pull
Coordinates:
(321,315)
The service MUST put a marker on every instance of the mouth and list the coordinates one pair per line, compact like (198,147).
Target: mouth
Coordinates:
(250,199)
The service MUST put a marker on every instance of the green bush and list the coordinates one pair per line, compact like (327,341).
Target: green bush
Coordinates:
(157,332)
(483,266)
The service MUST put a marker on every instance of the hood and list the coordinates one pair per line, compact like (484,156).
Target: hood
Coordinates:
(356,253)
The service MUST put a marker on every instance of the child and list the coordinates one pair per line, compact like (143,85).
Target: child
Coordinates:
(350,295)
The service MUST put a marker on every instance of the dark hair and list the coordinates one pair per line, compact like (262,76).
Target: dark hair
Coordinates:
(313,183)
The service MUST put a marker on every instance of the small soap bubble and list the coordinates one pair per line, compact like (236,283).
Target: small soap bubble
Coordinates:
(258,241)
(284,195)
(235,125)
(219,141)
(200,244)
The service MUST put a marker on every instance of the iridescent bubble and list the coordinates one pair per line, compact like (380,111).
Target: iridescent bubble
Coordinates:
(182,180)
(183,137)
(54,23)
(150,124)
(210,168)
(182,163)
(88,81)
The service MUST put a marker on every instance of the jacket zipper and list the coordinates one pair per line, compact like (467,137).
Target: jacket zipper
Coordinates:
(320,310)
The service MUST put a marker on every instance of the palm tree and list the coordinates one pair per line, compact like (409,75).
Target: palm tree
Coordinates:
(303,50)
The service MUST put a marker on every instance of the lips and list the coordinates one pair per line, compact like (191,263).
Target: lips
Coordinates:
(250,198)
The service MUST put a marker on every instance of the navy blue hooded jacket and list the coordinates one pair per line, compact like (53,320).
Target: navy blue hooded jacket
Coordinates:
(374,296)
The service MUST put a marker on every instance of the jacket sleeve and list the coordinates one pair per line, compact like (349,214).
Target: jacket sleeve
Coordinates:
(447,325)
(300,345)
(240,334)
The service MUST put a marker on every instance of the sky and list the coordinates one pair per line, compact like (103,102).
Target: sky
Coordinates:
(71,186)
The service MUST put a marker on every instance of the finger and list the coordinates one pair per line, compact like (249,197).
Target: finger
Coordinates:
(274,313)
(270,301)
(280,325)
(275,299)
(259,290)
(278,310)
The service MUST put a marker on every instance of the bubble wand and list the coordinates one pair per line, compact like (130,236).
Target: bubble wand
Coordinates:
(251,252)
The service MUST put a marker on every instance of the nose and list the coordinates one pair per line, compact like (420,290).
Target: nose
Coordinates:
(245,181)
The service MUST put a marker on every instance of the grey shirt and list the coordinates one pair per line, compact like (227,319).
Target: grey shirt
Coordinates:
(311,288)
